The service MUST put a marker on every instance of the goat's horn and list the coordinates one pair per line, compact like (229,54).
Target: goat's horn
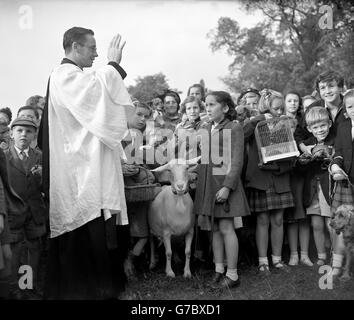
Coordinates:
(161,168)
(193,161)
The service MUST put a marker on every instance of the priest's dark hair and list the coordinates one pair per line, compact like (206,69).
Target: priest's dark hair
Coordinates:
(75,34)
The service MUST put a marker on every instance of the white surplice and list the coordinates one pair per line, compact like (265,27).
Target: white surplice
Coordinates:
(87,121)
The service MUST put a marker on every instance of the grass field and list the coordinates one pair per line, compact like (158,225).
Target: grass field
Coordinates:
(300,283)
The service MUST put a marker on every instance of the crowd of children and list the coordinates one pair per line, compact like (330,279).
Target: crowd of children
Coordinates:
(289,194)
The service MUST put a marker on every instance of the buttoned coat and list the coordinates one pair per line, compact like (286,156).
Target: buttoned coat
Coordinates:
(27,185)
(224,167)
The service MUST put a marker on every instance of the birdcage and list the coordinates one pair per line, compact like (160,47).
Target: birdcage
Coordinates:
(275,140)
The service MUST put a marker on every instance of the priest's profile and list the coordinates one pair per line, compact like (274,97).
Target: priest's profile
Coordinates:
(84,121)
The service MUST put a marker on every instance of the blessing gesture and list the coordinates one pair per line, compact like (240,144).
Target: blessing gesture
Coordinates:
(115,49)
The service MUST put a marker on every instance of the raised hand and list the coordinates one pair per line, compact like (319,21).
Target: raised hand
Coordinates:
(115,49)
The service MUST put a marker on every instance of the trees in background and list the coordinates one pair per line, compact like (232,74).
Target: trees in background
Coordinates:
(149,87)
(296,41)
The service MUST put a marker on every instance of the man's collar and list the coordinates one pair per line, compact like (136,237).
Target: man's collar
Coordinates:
(26,151)
(66,60)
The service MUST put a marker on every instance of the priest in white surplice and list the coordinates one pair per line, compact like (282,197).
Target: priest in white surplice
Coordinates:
(83,123)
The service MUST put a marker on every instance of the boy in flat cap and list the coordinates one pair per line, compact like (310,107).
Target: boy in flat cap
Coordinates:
(25,175)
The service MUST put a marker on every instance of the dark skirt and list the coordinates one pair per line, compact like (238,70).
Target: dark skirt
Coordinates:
(343,193)
(266,200)
(80,264)
(297,212)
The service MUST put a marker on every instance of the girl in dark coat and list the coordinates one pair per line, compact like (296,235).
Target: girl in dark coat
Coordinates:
(220,195)
(268,186)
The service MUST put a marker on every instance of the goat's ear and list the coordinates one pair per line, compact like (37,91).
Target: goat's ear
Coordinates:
(193,161)
(161,168)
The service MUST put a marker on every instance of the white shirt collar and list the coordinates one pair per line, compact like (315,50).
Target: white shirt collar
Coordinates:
(214,124)
(26,151)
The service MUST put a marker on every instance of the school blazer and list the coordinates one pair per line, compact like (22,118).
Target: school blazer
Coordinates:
(25,184)
(276,173)
(313,173)
(343,146)
(14,204)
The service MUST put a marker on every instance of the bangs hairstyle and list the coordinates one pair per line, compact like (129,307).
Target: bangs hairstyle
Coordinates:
(191,99)
(315,115)
(143,105)
(199,86)
(267,98)
(226,100)
(75,34)
(329,76)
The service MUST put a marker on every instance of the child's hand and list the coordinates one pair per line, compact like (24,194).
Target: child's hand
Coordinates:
(306,149)
(222,194)
(337,172)
(1,223)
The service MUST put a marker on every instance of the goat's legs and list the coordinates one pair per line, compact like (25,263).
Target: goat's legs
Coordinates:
(153,260)
(188,239)
(346,273)
(168,251)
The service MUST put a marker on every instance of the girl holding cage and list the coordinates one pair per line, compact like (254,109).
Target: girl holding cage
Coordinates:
(268,186)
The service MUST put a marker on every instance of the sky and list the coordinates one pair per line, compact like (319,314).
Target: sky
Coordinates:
(161,36)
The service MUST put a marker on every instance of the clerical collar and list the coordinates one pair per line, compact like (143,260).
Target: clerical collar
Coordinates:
(26,151)
(66,60)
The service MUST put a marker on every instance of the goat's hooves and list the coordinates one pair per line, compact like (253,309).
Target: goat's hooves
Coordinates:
(187,275)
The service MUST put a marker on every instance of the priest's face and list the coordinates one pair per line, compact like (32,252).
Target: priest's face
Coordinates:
(86,52)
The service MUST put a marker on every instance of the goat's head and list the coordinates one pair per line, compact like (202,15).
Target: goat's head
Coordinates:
(178,177)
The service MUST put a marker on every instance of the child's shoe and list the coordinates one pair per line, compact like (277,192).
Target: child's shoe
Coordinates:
(306,261)
(294,261)
(263,269)
(280,265)
(320,262)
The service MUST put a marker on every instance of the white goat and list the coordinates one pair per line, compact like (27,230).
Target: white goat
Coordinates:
(171,213)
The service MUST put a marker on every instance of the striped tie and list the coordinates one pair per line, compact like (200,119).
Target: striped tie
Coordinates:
(23,156)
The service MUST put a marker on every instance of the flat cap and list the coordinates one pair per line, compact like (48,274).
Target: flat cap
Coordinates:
(23,121)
